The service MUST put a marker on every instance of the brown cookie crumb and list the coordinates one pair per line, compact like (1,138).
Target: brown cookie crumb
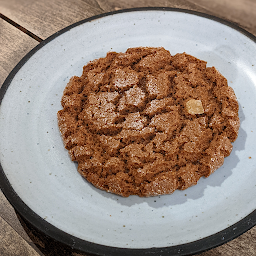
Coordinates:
(146,123)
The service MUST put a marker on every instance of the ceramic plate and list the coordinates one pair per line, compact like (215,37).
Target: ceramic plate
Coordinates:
(42,183)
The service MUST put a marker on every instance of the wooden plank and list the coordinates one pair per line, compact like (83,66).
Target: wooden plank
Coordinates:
(123,4)
(43,18)
(242,12)
(12,244)
(14,45)
(8,214)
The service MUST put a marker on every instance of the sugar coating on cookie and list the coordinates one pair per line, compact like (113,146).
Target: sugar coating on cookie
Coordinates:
(146,123)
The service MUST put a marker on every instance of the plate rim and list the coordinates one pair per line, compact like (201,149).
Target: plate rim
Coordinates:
(59,235)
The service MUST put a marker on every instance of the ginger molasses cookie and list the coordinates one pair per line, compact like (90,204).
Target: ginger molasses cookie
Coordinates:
(146,123)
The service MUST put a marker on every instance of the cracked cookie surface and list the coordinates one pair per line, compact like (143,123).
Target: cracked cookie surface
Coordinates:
(146,123)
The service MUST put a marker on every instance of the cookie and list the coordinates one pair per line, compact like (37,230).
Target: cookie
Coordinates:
(146,123)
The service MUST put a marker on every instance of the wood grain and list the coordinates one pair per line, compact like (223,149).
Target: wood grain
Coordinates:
(110,5)
(11,242)
(241,12)
(44,18)
(14,45)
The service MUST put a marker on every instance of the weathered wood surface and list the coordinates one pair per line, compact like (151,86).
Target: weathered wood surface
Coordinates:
(14,44)
(45,17)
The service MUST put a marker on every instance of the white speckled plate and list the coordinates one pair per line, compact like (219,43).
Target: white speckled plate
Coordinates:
(42,183)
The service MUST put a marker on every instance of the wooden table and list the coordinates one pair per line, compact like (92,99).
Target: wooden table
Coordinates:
(25,23)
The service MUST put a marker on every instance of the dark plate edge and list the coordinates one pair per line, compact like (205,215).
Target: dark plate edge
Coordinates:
(195,247)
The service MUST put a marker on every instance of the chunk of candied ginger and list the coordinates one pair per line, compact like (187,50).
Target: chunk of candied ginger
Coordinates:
(194,107)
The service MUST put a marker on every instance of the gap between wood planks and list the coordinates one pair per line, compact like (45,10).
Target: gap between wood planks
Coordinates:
(21,28)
